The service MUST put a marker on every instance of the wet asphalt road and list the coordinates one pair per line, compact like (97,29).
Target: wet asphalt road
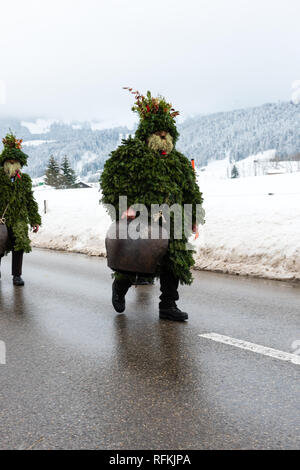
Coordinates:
(80,376)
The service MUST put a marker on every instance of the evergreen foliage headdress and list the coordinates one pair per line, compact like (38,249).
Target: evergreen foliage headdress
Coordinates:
(12,150)
(155,115)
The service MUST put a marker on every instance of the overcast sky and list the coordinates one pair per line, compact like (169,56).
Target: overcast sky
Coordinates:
(69,59)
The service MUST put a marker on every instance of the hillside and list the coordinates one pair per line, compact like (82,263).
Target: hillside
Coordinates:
(86,148)
(237,133)
(242,132)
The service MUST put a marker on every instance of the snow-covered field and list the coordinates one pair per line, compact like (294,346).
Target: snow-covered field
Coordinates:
(252,224)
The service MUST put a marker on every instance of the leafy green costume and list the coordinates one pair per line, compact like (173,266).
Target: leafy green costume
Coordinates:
(22,207)
(145,176)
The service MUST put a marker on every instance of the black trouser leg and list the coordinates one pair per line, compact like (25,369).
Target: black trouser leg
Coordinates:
(122,284)
(120,287)
(169,289)
(17,261)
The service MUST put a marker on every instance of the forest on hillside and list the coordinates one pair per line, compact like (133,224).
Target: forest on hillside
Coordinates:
(237,134)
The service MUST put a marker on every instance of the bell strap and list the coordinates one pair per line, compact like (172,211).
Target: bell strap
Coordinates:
(2,220)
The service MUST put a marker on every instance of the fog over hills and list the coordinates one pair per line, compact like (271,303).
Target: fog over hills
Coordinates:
(239,133)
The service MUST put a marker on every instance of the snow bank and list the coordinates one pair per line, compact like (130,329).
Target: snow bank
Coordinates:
(74,221)
(252,224)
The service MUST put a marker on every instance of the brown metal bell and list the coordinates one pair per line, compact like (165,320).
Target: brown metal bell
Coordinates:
(3,238)
(141,255)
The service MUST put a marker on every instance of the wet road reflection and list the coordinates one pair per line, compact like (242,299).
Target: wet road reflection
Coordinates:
(81,376)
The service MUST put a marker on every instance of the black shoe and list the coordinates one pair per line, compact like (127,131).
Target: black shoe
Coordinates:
(118,300)
(18,281)
(172,313)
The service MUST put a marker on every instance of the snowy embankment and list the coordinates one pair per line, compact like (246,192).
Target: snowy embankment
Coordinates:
(252,224)
(74,221)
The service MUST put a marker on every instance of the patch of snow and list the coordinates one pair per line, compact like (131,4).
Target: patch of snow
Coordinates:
(35,143)
(40,126)
(87,157)
(38,180)
(255,165)
(217,168)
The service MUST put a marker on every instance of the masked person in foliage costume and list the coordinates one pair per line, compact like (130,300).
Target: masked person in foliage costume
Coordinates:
(149,170)
(18,203)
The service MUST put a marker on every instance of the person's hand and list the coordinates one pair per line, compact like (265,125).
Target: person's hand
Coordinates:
(195,231)
(129,214)
(35,228)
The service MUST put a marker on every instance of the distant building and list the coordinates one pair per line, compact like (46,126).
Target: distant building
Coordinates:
(81,184)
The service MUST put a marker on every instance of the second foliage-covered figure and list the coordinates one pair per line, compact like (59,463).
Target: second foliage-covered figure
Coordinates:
(17,204)
(147,169)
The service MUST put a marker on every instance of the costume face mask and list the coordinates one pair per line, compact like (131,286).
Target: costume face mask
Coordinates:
(161,142)
(11,168)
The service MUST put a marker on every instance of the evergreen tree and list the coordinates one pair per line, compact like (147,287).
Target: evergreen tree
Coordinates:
(235,172)
(68,174)
(53,177)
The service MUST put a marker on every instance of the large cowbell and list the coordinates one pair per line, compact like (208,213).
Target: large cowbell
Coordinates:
(3,238)
(141,255)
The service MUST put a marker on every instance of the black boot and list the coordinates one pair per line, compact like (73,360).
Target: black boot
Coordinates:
(17,261)
(119,290)
(18,281)
(172,313)
(169,294)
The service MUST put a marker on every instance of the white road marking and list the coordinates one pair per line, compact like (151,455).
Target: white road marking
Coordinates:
(257,348)
(2,353)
